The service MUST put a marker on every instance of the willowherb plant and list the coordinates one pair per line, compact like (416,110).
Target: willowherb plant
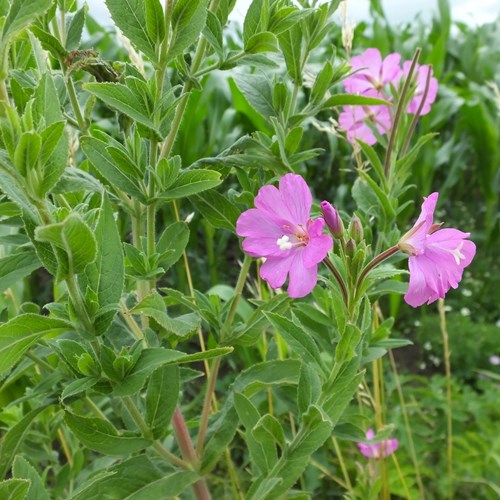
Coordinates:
(122,353)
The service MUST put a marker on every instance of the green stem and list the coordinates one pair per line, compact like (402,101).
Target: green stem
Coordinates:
(39,361)
(147,434)
(399,111)
(212,376)
(134,327)
(414,122)
(375,262)
(188,86)
(338,277)
(406,418)
(449,408)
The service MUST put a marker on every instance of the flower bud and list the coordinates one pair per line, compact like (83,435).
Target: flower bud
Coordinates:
(332,219)
(350,247)
(356,229)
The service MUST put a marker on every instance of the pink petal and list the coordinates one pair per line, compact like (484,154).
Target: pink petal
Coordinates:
(370,434)
(418,292)
(297,198)
(275,270)
(270,201)
(366,449)
(256,223)
(302,279)
(263,247)
(319,244)
(391,69)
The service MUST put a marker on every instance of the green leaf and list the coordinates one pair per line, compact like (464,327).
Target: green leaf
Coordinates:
(268,428)
(257,91)
(78,386)
(213,33)
(256,19)
(122,98)
(346,348)
(22,469)
(130,17)
(54,154)
(155,25)
(96,151)
(161,399)
(263,454)
(21,14)
(308,389)
(291,45)
(47,103)
(262,42)
(172,243)
(100,435)
(188,21)
(322,83)
(74,237)
(216,209)
(75,29)
(154,307)
(12,185)
(21,332)
(375,162)
(353,100)
(49,42)
(191,182)
(16,266)
(219,435)
(154,358)
(14,489)
(106,275)
(13,439)
(136,478)
(302,344)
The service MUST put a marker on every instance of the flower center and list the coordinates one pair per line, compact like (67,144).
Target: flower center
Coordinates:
(284,243)
(289,241)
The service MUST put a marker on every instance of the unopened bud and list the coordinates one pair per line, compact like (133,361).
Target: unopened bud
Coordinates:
(332,219)
(356,229)
(350,247)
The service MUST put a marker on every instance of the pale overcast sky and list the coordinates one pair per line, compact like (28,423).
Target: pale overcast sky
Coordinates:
(470,11)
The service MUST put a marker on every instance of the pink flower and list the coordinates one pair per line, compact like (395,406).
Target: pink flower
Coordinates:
(420,75)
(437,256)
(382,449)
(374,73)
(281,230)
(355,121)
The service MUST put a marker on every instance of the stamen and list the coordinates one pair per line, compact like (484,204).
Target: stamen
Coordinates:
(457,254)
(284,243)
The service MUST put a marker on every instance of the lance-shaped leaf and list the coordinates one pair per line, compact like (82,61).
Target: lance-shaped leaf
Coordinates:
(134,479)
(122,98)
(22,469)
(21,14)
(130,17)
(105,276)
(154,358)
(96,151)
(74,237)
(100,435)
(188,21)
(13,439)
(21,332)
(192,182)
(216,209)
(16,266)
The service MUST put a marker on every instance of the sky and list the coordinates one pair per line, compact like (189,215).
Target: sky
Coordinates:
(469,11)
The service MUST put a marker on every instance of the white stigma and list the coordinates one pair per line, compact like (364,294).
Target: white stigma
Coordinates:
(458,254)
(284,243)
